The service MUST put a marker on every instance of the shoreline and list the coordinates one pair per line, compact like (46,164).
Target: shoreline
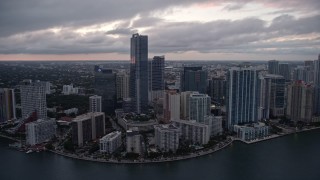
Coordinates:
(209,151)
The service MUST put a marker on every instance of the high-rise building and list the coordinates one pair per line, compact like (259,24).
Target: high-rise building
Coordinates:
(242,96)
(167,137)
(284,70)
(139,73)
(217,90)
(272,96)
(303,73)
(194,79)
(105,86)
(33,99)
(40,131)
(122,86)
(199,106)
(157,72)
(133,141)
(88,127)
(171,106)
(273,67)
(316,82)
(95,104)
(184,104)
(299,102)
(7,105)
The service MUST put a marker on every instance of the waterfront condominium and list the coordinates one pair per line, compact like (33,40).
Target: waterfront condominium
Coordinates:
(33,99)
(7,105)
(95,104)
(299,102)
(316,83)
(40,131)
(242,96)
(138,86)
(167,137)
(110,142)
(88,127)
(105,86)
(194,79)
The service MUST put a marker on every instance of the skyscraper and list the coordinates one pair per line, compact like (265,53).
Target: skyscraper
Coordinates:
(139,73)
(273,67)
(95,104)
(33,98)
(299,102)
(199,106)
(316,82)
(284,70)
(194,79)
(242,96)
(157,71)
(105,86)
(7,105)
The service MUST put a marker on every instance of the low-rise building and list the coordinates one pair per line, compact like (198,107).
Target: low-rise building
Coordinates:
(252,131)
(40,131)
(167,137)
(133,141)
(194,132)
(110,142)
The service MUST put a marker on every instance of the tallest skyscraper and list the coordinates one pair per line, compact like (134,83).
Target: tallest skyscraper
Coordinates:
(139,73)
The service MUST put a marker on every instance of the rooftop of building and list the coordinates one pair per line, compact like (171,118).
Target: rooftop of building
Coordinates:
(166,127)
(253,125)
(86,116)
(111,135)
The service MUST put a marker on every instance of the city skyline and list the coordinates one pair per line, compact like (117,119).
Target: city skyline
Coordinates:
(181,30)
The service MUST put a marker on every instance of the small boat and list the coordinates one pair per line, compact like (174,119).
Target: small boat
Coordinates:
(30,151)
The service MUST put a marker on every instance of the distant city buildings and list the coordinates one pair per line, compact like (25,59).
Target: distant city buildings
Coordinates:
(167,137)
(95,103)
(33,99)
(285,71)
(110,142)
(217,90)
(194,79)
(69,89)
(7,105)
(40,131)
(242,96)
(88,127)
(139,73)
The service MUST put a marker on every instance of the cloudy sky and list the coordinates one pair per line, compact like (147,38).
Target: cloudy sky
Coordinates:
(178,29)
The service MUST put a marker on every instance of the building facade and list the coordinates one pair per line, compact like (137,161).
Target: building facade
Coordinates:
(193,132)
(251,131)
(88,127)
(215,125)
(95,103)
(134,141)
(105,86)
(273,67)
(199,106)
(300,102)
(242,96)
(167,137)
(40,131)
(122,86)
(110,142)
(157,77)
(139,73)
(7,105)
(33,99)
(194,79)
(316,102)
(217,90)
(171,106)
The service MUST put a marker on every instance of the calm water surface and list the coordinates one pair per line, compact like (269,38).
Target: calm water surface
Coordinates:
(294,157)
